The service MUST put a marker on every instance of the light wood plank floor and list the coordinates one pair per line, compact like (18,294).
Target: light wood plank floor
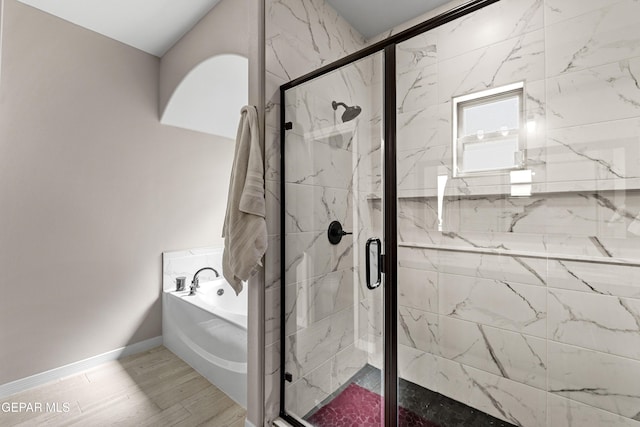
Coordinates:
(154,388)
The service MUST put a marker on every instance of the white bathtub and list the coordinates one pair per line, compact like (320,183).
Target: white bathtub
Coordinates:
(209,332)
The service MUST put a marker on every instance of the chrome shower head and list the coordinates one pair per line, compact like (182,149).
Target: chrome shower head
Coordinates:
(350,113)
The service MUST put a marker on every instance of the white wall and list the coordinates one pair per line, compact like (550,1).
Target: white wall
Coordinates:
(92,190)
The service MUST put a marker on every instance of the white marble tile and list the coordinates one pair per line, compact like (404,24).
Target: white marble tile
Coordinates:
(599,151)
(568,413)
(492,24)
(272,382)
(272,262)
(560,10)
(347,363)
(312,300)
(418,329)
(419,168)
(418,289)
(272,315)
(310,255)
(417,89)
(417,52)
(513,60)
(317,164)
(530,271)
(313,208)
(598,322)
(511,306)
(311,347)
(614,280)
(303,35)
(514,356)
(602,36)
(310,390)
(417,367)
(607,92)
(416,218)
(508,400)
(272,202)
(419,128)
(272,152)
(596,379)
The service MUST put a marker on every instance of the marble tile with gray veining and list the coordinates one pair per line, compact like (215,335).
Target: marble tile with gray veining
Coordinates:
(313,208)
(272,268)
(594,152)
(317,164)
(598,322)
(417,52)
(614,280)
(305,34)
(597,379)
(312,300)
(272,315)
(418,289)
(310,255)
(506,19)
(417,89)
(509,400)
(602,36)
(416,217)
(531,271)
(347,363)
(561,10)
(513,60)
(511,306)
(598,94)
(419,128)
(417,366)
(418,329)
(514,356)
(311,347)
(310,390)
(564,412)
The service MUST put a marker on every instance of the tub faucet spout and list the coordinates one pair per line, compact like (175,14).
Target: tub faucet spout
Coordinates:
(195,282)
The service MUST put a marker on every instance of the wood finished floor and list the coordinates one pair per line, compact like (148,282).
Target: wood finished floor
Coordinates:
(154,388)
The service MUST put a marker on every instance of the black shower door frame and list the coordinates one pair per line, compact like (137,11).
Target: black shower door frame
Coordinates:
(390,228)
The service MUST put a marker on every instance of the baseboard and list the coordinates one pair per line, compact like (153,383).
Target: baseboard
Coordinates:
(248,423)
(23,384)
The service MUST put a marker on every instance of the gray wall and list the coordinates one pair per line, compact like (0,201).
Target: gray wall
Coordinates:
(92,190)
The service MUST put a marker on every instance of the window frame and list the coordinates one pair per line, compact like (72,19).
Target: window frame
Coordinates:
(488,96)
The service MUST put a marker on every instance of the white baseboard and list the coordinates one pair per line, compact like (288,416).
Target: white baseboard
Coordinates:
(74,368)
(248,423)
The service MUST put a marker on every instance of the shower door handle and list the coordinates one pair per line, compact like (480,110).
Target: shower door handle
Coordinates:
(373,245)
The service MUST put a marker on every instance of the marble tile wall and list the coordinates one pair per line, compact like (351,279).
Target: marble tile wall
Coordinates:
(526,308)
(303,35)
(537,337)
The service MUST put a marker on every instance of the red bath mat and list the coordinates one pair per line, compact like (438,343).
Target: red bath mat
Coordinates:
(359,407)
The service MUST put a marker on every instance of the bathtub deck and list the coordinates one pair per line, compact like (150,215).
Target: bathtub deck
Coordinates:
(154,388)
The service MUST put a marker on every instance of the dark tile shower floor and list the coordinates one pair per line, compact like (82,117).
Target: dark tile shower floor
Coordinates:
(431,406)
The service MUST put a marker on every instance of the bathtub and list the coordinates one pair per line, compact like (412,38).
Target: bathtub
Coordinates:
(209,332)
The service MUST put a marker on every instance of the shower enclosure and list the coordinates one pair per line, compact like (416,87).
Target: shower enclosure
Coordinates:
(460,223)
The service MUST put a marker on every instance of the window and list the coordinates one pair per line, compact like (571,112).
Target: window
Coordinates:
(487,131)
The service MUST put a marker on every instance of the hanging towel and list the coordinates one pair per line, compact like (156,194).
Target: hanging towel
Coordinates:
(245,228)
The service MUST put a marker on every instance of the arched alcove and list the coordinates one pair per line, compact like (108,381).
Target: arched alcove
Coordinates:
(210,96)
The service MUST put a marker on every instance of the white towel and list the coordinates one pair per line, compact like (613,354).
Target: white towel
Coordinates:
(245,228)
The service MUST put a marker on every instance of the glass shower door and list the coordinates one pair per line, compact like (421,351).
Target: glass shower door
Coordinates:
(332,207)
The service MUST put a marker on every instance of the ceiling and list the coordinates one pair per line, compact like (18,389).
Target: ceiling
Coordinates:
(372,17)
(149,25)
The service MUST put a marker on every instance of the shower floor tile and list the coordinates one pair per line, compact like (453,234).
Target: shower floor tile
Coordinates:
(431,406)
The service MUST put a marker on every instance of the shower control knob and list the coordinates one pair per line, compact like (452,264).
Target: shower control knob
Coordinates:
(336,232)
